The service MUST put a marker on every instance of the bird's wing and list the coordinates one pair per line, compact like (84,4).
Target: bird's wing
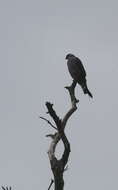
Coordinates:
(80,66)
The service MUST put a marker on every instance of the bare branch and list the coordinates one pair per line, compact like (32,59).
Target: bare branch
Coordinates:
(53,114)
(48,122)
(51,152)
(74,101)
(52,181)
(51,135)
(67,150)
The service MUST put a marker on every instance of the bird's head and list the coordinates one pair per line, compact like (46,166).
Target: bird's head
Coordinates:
(69,56)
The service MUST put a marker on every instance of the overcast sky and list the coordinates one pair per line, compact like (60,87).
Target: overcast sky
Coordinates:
(35,37)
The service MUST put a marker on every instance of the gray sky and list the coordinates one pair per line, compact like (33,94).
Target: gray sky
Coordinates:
(35,36)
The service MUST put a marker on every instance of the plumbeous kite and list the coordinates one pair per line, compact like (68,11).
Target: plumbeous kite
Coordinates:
(78,72)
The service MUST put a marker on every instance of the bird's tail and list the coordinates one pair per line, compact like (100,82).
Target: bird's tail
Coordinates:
(86,90)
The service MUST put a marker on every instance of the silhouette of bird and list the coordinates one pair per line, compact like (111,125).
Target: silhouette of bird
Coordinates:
(77,72)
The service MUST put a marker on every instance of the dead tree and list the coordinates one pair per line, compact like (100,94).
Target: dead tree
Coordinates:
(58,166)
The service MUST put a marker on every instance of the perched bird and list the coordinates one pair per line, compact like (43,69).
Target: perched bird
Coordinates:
(78,72)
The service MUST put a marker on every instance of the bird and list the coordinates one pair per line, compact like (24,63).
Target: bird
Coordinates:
(77,72)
